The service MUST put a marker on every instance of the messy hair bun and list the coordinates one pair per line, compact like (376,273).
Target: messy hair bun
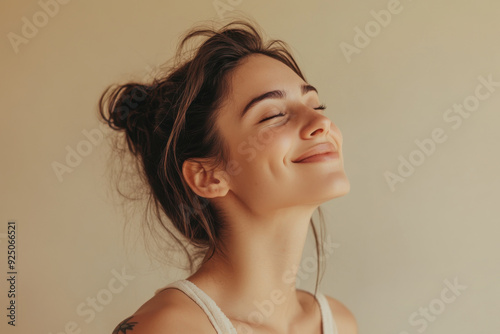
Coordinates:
(172,119)
(131,110)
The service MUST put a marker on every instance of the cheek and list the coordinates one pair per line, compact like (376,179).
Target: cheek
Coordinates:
(269,145)
(272,143)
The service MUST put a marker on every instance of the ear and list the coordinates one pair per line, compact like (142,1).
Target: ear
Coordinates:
(204,180)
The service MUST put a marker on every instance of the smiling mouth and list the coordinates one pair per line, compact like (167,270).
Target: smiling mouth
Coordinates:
(327,156)
(319,152)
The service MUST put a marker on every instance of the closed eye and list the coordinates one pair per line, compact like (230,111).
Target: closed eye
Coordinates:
(277,115)
(321,107)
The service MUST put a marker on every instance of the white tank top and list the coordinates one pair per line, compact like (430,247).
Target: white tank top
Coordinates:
(220,321)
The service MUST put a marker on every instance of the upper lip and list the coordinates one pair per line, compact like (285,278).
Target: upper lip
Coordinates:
(321,148)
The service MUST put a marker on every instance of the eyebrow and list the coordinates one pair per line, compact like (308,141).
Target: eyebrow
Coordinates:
(275,94)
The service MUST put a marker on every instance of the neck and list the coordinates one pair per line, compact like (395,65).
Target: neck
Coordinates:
(253,280)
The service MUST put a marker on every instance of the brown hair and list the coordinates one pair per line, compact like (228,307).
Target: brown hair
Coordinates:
(172,118)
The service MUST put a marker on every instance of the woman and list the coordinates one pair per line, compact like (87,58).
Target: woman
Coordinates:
(238,154)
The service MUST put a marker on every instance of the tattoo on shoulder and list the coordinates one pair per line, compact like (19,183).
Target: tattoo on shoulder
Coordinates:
(124,326)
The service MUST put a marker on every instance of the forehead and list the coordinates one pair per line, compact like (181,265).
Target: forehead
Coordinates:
(258,74)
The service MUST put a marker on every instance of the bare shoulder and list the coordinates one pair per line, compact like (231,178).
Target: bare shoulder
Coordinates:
(169,312)
(345,320)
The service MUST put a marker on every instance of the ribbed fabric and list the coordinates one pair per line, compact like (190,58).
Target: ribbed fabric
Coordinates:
(223,325)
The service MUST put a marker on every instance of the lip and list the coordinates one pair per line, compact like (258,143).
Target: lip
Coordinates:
(323,151)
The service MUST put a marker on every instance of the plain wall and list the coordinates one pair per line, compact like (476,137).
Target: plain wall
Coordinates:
(398,247)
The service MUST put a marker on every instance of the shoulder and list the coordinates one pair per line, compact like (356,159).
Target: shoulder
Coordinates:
(169,312)
(345,320)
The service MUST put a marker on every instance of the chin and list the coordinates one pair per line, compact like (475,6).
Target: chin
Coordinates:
(337,188)
(326,191)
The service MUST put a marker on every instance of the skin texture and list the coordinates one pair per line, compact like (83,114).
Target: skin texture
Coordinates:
(268,201)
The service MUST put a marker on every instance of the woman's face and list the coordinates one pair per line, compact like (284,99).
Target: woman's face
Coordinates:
(262,148)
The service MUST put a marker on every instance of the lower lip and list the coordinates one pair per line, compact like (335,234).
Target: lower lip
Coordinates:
(321,157)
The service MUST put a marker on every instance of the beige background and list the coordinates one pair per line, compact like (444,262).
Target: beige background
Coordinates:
(396,247)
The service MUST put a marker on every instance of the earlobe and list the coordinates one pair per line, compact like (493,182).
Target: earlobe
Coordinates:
(204,181)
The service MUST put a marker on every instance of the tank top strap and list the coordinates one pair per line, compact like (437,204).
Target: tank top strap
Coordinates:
(218,319)
(328,322)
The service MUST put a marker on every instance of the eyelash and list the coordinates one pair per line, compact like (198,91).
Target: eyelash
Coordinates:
(321,107)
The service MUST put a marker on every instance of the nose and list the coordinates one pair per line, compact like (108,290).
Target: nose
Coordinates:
(316,125)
